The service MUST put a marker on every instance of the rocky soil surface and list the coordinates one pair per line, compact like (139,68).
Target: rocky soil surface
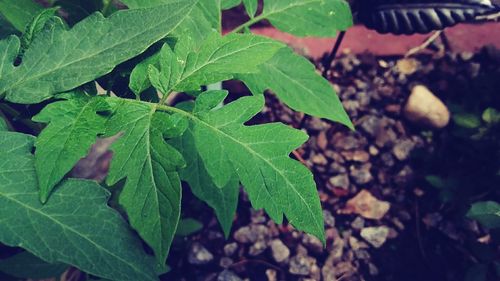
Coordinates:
(379,221)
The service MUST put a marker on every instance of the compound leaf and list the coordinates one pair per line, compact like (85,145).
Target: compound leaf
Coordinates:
(75,227)
(295,81)
(92,48)
(321,18)
(73,127)
(185,68)
(152,192)
(259,157)
(203,20)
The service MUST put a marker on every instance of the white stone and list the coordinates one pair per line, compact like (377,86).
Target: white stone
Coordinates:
(424,108)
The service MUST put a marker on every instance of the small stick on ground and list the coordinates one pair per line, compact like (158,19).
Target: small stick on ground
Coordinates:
(424,45)
(490,17)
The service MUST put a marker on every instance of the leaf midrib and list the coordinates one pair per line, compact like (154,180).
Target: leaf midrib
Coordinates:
(253,152)
(59,67)
(195,118)
(185,76)
(148,162)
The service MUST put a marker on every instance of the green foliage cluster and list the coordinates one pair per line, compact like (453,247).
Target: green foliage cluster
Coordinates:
(465,168)
(49,65)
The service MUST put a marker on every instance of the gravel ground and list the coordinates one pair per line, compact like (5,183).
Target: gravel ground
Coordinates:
(382,221)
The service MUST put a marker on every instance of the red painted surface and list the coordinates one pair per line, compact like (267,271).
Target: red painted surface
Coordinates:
(358,39)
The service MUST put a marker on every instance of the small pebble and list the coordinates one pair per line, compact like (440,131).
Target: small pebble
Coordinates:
(301,265)
(376,236)
(227,275)
(199,255)
(230,249)
(279,251)
(272,275)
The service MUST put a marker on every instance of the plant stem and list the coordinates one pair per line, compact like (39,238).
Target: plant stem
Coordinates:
(172,109)
(248,23)
(164,98)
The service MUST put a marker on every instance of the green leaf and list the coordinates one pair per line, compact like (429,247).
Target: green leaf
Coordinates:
(251,7)
(25,265)
(205,11)
(92,48)
(487,213)
(228,4)
(139,80)
(3,125)
(137,4)
(223,200)
(203,20)
(36,25)
(466,120)
(205,14)
(219,58)
(491,116)
(75,227)
(152,193)
(19,12)
(322,18)
(6,28)
(259,157)
(295,81)
(73,127)
(188,226)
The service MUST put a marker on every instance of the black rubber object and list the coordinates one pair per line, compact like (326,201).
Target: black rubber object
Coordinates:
(419,16)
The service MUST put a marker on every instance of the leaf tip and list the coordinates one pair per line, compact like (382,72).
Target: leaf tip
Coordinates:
(43,197)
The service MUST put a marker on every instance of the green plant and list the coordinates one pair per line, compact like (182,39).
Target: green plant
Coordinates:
(48,77)
(465,170)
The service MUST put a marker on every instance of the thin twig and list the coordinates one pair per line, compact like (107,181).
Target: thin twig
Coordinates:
(299,157)
(490,17)
(424,45)
(328,63)
(248,23)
